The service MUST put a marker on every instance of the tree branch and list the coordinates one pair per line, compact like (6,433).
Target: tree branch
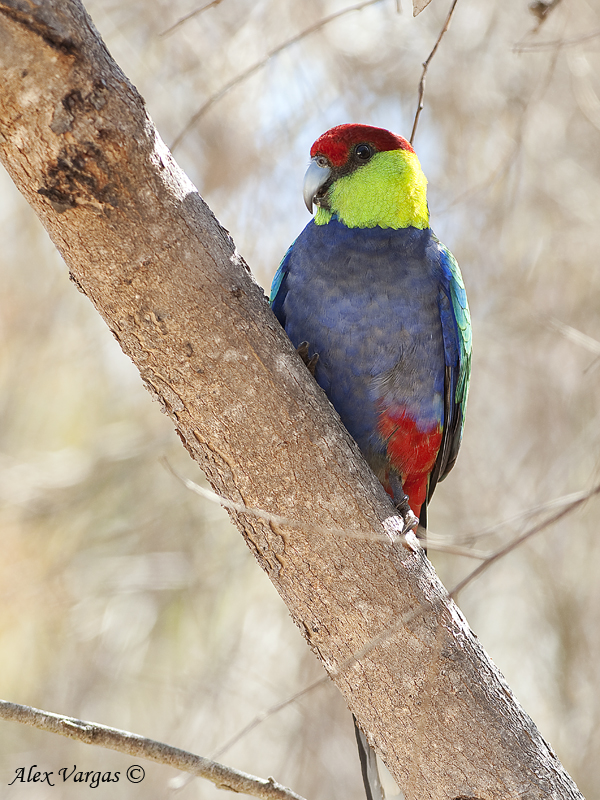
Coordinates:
(426,64)
(508,548)
(247,73)
(196,12)
(557,44)
(124,742)
(141,243)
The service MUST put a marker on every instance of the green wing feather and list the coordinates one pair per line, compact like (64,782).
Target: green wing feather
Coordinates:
(463,322)
(456,328)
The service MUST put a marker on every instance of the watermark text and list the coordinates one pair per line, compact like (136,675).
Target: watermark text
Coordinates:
(92,778)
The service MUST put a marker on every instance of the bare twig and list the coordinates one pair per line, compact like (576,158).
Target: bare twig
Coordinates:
(592,366)
(439,545)
(436,543)
(411,616)
(558,502)
(124,742)
(557,44)
(269,712)
(391,526)
(263,61)
(419,5)
(426,67)
(258,719)
(275,519)
(503,551)
(574,335)
(192,14)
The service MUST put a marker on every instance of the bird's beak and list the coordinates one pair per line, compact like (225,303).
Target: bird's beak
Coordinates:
(316,177)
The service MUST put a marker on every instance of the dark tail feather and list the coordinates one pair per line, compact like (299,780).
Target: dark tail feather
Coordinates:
(423,515)
(368,765)
(422,532)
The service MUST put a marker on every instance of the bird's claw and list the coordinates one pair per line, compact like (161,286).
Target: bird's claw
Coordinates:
(311,363)
(409,518)
(411,522)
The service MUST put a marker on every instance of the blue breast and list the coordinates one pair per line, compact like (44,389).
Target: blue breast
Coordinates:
(368,302)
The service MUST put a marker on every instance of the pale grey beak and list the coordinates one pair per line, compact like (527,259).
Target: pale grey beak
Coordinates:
(316,177)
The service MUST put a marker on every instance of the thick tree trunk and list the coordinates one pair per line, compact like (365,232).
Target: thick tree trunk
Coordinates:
(142,245)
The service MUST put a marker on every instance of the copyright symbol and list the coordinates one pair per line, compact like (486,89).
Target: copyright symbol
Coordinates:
(135,774)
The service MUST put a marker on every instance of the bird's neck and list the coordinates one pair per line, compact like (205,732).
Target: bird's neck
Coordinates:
(389,192)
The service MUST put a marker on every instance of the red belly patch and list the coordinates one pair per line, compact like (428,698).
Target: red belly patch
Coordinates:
(412,452)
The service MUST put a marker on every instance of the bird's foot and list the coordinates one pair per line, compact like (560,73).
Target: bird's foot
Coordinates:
(311,363)
(409,518)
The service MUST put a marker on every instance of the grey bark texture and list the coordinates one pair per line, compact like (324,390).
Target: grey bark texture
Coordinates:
(143,246)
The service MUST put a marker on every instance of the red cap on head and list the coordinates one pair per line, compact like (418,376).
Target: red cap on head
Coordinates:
(336,143)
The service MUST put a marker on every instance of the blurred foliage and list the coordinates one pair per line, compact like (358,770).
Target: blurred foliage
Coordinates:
(127,600)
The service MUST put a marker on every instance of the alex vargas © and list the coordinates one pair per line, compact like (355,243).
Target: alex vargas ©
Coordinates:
(92,778)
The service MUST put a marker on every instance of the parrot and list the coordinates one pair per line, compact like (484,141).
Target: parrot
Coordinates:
(376,306)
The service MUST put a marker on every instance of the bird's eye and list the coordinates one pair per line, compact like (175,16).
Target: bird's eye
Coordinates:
(322,162)
(363,152)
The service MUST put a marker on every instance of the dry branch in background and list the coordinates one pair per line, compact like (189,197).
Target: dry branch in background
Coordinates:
(557,44)
(426,63)
(132,744)
(196,12)
(145,249)
(566,507)
(419,5)
(247,73)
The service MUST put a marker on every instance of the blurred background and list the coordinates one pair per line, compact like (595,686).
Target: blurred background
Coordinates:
(128,600)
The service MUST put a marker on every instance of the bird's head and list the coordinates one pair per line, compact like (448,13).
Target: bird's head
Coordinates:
(367,177)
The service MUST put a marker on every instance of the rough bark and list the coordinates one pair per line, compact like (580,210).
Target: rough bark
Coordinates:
(142,245)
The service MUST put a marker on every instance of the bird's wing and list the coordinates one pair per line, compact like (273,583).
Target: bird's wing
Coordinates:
(456,330)
(279,287)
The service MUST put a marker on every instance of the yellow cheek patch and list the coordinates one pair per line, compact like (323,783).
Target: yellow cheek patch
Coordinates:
(389,192)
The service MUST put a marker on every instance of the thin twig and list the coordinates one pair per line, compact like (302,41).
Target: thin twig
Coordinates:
(276,519)
(440,546)
(419,5)
(574,335)
(566,500)
(391,526)
(557,44)
(263,61)
(426,67)
(520,539)
(124,742)
(190,16)
(436,543)
(269,712)
(260,718)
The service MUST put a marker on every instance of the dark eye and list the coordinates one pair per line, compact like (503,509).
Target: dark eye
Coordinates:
(363,152)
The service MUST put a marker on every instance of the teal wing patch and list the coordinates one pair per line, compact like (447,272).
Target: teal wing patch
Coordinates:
(456,330)
(279,287)
(462,315)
